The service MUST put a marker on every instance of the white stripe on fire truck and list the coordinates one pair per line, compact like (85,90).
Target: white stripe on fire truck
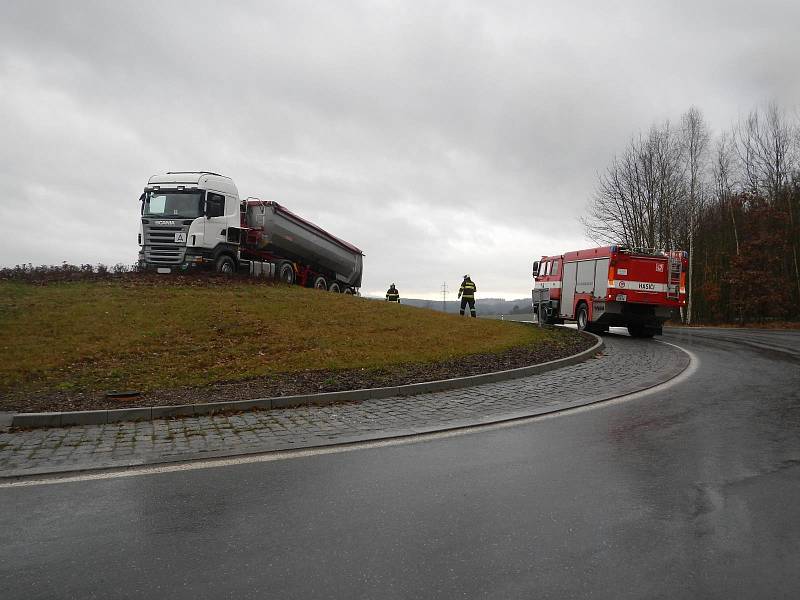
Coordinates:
(639,286)
(620,284)
(547,285)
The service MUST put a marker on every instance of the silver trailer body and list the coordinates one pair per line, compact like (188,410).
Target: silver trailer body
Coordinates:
(292,236)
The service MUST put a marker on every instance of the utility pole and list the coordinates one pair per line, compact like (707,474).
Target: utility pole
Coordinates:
(444,296)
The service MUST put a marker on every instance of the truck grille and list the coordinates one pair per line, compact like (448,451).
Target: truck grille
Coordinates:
(160,247)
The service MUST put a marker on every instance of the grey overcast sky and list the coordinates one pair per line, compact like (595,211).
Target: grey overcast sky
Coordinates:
(442,138)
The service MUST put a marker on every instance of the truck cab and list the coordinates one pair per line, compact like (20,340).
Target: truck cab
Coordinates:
(189,218)
(547,276)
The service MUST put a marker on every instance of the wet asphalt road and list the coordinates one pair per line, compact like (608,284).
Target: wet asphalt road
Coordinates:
(691,492)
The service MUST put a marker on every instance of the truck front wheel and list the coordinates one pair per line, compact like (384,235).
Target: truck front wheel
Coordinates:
(225,265)
(582,317)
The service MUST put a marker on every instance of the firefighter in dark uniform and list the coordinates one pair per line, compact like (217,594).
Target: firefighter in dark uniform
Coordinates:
(467,294)
(393,294)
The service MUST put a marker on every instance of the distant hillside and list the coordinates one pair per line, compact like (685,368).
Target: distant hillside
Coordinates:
(484,306)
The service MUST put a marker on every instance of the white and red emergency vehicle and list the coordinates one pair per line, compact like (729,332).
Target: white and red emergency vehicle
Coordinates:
(612,286)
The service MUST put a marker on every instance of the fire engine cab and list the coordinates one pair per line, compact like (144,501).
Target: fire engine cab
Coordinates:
(612,286)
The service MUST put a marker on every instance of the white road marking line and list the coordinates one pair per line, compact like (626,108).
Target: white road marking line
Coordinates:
(293,454)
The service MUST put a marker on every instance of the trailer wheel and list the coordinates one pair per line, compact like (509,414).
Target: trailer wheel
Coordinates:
(334,287)
(286,273)
(348,291)
(320,283)
(582,317)
(225,265)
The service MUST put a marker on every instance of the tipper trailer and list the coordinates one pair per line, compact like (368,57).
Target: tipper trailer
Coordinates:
(612,286)
(192,219)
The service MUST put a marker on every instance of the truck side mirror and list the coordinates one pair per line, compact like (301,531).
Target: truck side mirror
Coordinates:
(536,269)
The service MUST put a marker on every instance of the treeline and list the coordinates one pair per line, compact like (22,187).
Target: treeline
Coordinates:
(65,272)
(731,199)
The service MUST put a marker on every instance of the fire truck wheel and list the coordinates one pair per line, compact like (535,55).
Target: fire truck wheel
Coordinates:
(582,317)
(348,291)
(320,283)
(334,287)
(286,272)
(225,265)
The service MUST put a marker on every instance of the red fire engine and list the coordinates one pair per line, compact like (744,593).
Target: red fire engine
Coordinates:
(612,286)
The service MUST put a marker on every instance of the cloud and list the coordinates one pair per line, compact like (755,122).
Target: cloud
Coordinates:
(440,138)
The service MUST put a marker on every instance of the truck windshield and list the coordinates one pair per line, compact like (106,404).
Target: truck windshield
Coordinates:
(188,205)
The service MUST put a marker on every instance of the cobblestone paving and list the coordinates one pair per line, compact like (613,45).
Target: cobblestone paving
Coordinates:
(626,365)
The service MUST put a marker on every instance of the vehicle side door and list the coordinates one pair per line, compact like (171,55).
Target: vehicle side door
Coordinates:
(568,282)
(216,221)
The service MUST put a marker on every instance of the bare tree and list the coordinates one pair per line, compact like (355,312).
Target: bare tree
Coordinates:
(766,143)
(694,142)
(723,180)
(637,201)
(766,149)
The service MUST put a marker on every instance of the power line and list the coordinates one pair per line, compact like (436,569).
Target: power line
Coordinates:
(444,296)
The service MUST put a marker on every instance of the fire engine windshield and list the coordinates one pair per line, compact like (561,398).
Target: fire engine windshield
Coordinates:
(186,205)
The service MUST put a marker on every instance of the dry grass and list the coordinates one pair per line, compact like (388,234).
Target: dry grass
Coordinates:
(111,335)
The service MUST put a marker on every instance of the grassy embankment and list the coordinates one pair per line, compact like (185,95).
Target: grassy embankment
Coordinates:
(98,336)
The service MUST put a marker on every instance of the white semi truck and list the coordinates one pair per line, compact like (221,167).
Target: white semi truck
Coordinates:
(194,219)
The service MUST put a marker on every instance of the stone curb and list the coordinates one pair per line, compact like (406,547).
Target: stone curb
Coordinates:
(406,432)
(100,417)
